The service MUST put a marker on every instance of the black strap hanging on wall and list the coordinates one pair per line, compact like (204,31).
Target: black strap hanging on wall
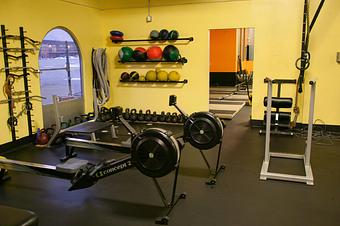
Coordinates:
(303,63)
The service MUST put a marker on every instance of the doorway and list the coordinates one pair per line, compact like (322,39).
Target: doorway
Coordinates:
(231,70)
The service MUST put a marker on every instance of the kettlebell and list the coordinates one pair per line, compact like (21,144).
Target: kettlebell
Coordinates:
(126,114)
(140,116)
(161,118)
(181,118)
(104,114)
(147,116)
(84,117)
(154,117)
(42,138)
(77,120)
(90,116)
(174,117)
(133,115)
(168,117)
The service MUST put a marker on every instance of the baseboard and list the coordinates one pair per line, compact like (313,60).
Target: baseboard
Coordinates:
(222,78)
(10,146)
(255,123)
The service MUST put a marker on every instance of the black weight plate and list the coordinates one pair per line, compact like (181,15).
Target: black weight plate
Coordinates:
(155,153)
(203,130)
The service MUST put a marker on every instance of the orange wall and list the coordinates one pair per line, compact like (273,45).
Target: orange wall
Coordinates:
(223,50)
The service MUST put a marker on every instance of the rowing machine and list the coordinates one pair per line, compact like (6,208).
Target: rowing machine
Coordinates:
(203,130)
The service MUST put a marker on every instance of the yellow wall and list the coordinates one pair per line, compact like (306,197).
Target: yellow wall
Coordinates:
(38,17)
(277,45)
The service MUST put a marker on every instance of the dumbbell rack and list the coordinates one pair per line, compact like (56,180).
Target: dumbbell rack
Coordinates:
(12,121)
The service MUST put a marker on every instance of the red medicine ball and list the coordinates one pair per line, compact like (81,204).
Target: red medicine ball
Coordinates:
(154,53)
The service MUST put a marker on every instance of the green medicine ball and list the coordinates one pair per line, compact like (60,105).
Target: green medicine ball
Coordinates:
(174,76)
(125,53)
(162,76)
(151,76)
(173,35)
(171,53)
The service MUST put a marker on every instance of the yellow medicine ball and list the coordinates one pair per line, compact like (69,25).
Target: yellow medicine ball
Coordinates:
(174,76)
(162,76)
(151,76)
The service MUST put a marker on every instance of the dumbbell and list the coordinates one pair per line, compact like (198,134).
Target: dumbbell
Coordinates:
(147,116)
(133,115)
(140,116)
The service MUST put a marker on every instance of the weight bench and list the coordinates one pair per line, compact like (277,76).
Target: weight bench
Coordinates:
(10,216)
(90,128)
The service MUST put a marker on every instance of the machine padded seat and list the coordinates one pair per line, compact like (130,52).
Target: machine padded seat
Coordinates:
(279,102)
(10,216)
(71,165)
(281,119)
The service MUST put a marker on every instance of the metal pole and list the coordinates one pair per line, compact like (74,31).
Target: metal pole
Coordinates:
(268,120)
(316,15)
(24,66)
(310,123)
(6,64)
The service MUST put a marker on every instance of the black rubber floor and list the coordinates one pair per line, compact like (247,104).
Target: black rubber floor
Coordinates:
(239,198)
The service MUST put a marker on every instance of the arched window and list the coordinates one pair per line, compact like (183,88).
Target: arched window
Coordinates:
(60,66)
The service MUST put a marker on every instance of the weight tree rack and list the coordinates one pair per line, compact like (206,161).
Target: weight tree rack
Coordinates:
(10,77)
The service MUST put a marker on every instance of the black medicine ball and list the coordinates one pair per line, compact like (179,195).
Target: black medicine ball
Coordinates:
(164,34)
(125,76)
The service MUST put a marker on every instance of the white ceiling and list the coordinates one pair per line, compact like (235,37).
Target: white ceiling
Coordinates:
(119,4)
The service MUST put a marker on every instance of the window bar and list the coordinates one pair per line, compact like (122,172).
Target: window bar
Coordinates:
(68,70)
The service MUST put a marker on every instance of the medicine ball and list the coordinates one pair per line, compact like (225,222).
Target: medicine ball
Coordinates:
(154,53)
(139,54)
(116,33)
(134,75)
(174,76)
(154,35)
(173,34)
(125,76)
(171,53)
(164,34)
(116,38)
(125,53)
(162,76)
(151,76)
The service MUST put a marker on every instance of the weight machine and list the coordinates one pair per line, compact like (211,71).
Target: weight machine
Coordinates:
(265,174)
